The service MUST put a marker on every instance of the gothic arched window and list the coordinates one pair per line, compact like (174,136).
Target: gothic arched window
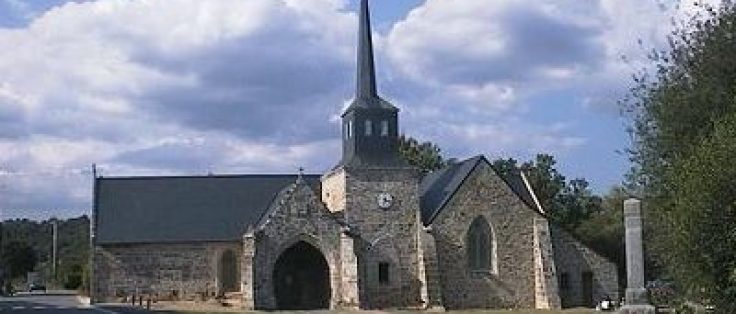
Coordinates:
(480,246)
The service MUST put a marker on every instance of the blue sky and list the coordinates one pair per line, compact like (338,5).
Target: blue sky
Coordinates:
(168,87)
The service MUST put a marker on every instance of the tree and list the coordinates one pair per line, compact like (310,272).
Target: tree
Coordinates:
(683,126)
(426,156)
(19,259)
(73,244)
(566,203)
(603,231)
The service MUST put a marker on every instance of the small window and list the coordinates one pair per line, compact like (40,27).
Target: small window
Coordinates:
(384,128)
(383,273)
(564,281)
(349,128)
(368,128)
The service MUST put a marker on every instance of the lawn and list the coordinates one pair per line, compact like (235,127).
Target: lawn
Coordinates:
(570,311)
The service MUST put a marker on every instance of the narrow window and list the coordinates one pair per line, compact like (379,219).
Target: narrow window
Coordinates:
(345,131)
(479,246)
(350,129)
(384,128)
(383,274)
(368,128)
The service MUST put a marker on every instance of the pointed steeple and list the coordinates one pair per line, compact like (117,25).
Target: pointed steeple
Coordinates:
(370,124)
(366,83)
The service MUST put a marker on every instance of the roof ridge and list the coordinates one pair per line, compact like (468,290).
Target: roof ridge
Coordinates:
(218,176)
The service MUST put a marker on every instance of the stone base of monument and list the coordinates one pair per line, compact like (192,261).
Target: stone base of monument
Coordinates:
(637,309)
(638,299)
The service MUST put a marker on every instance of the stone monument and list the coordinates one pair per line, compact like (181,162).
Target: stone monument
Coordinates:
(636,294)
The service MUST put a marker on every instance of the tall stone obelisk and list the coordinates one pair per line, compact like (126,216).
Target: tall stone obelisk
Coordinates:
(636,293)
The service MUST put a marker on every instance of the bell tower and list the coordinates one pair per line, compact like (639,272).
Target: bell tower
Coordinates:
(376,194)
(370,124)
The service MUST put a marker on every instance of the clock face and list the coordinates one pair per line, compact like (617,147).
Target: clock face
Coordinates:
(385,200)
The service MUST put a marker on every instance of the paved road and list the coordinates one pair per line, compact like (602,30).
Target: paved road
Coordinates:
(55,303)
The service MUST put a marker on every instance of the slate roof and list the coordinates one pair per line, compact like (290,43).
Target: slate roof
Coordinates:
(438,187)
(184,209)
(222,208)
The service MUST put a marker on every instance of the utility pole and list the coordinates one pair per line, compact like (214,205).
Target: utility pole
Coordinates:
(55,230)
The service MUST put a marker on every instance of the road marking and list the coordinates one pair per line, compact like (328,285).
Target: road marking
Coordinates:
(19,308)
(103,310)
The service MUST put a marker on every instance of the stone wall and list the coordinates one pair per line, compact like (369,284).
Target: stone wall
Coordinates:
(297,215)
(333,190)
(545,272)
(511,281)
(430,271)
(386,236)
(169,271)
(573,260)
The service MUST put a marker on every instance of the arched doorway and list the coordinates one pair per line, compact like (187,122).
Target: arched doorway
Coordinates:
(228,275)
(301,279)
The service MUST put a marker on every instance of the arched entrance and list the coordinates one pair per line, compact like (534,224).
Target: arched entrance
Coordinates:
(301,279)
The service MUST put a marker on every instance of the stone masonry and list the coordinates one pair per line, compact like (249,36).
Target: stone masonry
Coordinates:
(166,271)
(297,215)
(510,284)
(427,264)
(576,263)
(382,235)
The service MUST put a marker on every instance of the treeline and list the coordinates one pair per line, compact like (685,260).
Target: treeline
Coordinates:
(683,122)
(28,245)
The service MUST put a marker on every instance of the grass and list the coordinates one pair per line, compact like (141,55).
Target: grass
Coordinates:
(569,311)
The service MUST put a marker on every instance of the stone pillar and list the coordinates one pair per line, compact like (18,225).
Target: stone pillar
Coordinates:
(349,294)
(247,273)
(546,292)
(429,271)
(636,293)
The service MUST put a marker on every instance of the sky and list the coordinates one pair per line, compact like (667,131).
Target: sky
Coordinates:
(191,87)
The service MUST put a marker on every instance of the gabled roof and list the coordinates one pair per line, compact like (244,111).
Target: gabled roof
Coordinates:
(184,209)
(438,187)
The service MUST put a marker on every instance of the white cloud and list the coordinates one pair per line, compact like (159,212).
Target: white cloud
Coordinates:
(190,86)
(127,84)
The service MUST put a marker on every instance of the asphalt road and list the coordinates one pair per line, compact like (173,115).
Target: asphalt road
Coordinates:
(38,303)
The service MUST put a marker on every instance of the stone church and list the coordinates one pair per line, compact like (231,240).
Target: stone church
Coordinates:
(371,233)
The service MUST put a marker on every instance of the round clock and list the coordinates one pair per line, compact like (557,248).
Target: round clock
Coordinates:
(385,200)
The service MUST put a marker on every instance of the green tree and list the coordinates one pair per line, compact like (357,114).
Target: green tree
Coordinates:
(683,121)
(604,230)
(19,259)
(566,203)
(426,156)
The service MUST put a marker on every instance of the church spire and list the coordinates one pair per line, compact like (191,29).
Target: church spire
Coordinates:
(370,124)
(366,83)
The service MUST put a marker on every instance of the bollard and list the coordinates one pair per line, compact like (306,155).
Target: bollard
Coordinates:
(148,303)
(132,300)
(140,301)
